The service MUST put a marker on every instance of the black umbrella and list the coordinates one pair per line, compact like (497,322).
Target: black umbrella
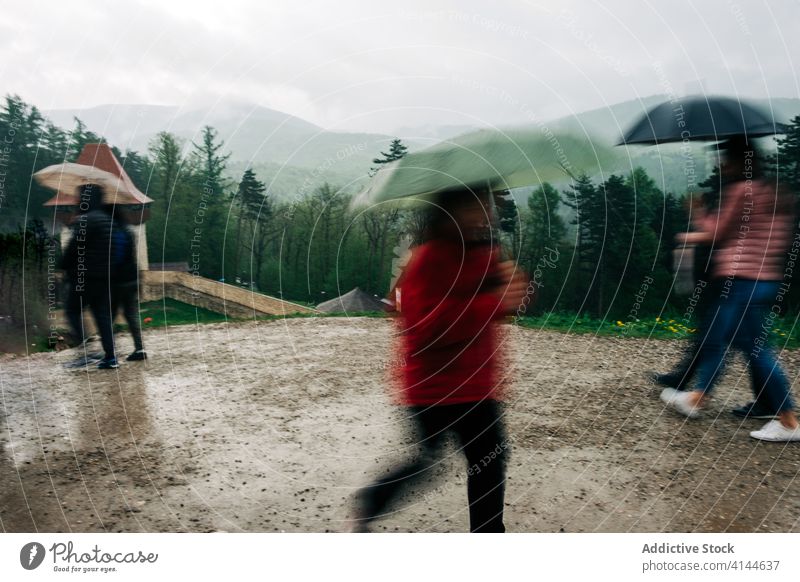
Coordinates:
(701,119)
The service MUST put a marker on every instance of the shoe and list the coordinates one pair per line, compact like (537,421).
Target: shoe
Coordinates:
(775,432)
(108,364)
(754,410)
(137,356)
(669,380)
(679,401)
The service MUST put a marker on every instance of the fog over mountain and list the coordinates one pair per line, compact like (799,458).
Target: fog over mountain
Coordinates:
(288,151)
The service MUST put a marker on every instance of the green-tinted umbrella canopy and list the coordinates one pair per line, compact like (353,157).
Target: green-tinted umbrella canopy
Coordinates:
(701,118)
(493,159)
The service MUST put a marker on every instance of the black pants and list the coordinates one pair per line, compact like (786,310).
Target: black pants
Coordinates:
(98,295)
(73,307)
(480,433)
(127,297)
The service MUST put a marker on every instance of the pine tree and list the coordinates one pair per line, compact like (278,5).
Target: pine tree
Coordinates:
(396,151)
(171,224)
(79,137)
(379,224)
(54,144)
(543,232)
(787,159)
(138,168)
(209,165)
(21,129)
(590,221)
(508,220)
(255,216)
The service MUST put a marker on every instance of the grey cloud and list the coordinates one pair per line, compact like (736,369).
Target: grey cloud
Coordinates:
(355,66)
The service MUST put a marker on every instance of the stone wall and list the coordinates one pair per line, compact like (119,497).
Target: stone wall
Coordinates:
(213,295)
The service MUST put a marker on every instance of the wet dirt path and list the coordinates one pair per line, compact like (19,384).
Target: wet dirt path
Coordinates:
(271,427)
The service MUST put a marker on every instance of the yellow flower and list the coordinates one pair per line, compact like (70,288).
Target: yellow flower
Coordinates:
(672,329)
(619,323)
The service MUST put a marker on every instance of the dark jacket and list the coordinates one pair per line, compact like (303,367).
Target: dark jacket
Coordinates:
(101,250)
(87,255)
(124,267)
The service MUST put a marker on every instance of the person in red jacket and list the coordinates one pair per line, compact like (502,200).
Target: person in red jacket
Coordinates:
(454,292)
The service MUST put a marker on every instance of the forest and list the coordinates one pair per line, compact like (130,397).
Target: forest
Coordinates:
(589,244)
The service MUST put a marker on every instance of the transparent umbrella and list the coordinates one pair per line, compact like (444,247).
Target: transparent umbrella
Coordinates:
(488,160)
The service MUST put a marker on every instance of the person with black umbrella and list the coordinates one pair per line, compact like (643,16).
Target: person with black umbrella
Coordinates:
(751,234)
(705,288)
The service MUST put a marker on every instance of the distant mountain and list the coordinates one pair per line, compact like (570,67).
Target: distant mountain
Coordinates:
(294,156)
(434,133)
(673,168)
(609,123)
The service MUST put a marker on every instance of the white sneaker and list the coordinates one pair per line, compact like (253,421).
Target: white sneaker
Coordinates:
(775,432)
(678,400)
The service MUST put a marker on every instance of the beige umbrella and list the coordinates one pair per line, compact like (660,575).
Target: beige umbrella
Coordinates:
(69,178)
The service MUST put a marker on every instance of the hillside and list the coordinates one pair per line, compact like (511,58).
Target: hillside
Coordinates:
(295,156)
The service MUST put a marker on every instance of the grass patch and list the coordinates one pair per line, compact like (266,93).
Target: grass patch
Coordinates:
(784,333)
(170,312)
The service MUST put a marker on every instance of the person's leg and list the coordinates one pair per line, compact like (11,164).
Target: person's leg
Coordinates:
(774,392)
(481,433)
(717,333)
(376,499)
(129,299)
(681,376)
(719,329)
(74,312)
(100,304)
(758,407)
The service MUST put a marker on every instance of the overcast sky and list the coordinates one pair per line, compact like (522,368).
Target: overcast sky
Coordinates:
(368,66)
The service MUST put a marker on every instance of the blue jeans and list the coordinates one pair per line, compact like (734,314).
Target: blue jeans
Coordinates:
(740,319)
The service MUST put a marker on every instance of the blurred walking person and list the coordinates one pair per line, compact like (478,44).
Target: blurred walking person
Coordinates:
(88,262)
(750,234)
(125,283)
(454,292)
(706,287)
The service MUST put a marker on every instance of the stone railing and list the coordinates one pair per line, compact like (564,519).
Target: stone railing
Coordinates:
(213,295)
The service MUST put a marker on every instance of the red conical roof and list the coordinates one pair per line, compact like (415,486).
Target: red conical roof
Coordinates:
(101,157)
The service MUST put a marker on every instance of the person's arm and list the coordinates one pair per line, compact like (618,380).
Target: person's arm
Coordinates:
(718,226)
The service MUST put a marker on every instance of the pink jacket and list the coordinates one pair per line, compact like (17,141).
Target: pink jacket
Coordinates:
(751,233)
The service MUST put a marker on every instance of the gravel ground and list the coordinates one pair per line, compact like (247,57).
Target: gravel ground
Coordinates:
(271,426)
